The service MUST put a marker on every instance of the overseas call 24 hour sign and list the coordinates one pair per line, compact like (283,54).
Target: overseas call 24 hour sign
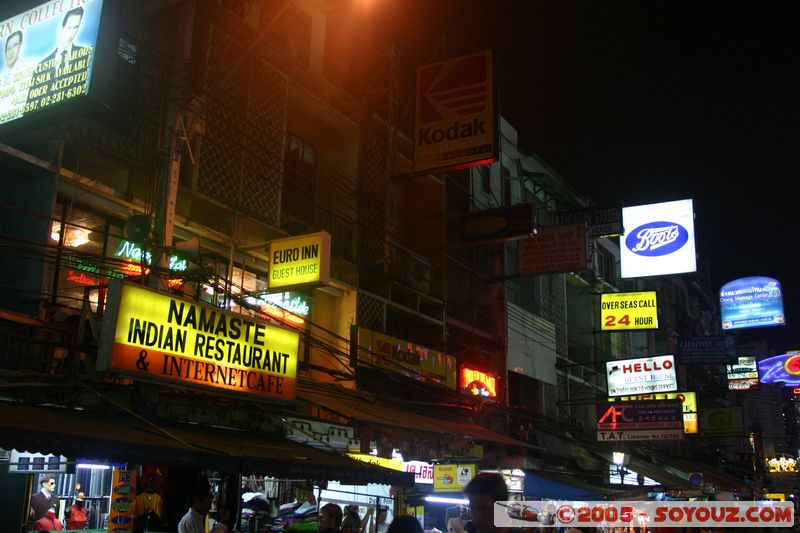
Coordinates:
(628,310)
(153,336)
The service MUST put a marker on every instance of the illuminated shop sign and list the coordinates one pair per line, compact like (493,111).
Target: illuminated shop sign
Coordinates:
(640,420)
(284,306)
(299,261)
(688,401)
(452,478)
(49,55)
(152,336)
(455,121)
(753,302)
(404,357)
(743,375)
(478,383)
(136,255)
(782,464)
(423,472)
(780,369)
(123,492)
(658,239)
(646,375)
(628,310)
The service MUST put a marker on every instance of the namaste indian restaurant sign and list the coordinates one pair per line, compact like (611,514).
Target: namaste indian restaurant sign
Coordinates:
(154,336)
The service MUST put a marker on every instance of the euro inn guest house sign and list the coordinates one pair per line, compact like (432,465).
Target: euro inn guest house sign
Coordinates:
(153,336)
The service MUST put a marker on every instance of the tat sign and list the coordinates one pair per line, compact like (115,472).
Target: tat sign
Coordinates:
(628,310)
(688,403)
(647,375)
(300,261)
(403,357)
(553,249)
(455,119)
(640,420)
(153,336)
(658,240)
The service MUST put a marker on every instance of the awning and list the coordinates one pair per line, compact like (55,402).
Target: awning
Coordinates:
(365,410)
(711,474)
(541,485)
(124,439)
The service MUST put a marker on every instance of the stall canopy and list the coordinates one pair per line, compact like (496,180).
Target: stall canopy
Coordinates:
(371,412)
(560,487)
(124,439)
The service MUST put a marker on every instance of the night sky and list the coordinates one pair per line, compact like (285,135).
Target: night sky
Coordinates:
(640,102)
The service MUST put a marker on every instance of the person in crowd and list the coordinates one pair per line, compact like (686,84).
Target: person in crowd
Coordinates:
(352,522)
(45,499)
(380,520)
(405,524)
(457,523)
(330,518)
(483,490)
(194,521)
(77,514)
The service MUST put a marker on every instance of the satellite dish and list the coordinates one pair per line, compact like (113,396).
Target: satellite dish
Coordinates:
(137,228)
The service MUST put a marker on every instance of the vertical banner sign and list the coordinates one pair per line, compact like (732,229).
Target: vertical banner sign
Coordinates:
(452,478)
(123,492)
(48,56)
(754,302)
(628,310)
(658,239)
(156,337)
(300,261)
(553,249)
(641,376)
(455,117)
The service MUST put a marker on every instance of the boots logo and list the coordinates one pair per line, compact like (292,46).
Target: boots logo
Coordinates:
(657,238)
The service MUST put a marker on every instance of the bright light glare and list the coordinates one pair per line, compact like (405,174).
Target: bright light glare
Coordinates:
(89,466)
(438,499)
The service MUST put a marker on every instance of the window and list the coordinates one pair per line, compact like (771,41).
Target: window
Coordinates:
(298,193)
(485,175)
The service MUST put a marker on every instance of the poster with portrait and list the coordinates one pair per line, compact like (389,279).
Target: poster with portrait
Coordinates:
(48,55)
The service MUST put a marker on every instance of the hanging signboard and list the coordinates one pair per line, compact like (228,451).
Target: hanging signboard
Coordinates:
(36,463)
(452,478)
(478,383)
(782,464)
(658,240)
(403,357)
(600,221)
(743,375)
(496,225)
(721,422)
(300,261)
(780,369)
(123,494)
(753,302)
(639,420)
(706,350)
(154,336)
(646,375)
(456,125)
(688,403)
(553,249)
(621,311)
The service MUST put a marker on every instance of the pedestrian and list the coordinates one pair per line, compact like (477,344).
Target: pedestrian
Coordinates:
(330,518)
(483,490)
(194,521)
(405,524)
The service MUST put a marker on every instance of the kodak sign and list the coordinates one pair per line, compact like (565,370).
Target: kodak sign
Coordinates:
(156,337)
(455,116)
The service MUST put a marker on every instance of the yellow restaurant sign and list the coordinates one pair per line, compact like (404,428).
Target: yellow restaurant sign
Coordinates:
(628,310)
(688,402)
(299,261)
(452,478)
(154,336)
(398,355)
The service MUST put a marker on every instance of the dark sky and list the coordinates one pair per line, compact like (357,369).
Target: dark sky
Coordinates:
(645,101)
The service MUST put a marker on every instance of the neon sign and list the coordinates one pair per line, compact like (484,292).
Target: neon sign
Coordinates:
(782,464)
(781,369)
(129,250)
(478,383)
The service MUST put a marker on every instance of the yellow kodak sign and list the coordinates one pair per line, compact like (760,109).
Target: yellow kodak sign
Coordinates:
(628,310)
(452,478)
(299,261)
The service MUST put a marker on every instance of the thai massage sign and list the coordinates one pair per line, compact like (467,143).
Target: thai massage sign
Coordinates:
(628,310)
(299,261)
(153,336)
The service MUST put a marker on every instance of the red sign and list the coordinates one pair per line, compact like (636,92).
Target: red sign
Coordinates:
(478,383)
(554,249)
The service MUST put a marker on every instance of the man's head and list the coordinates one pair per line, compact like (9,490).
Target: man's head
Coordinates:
(69,28)
(330,517)
(383,512)
(48,483)
(202,502)
(13,48)
(483,491)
